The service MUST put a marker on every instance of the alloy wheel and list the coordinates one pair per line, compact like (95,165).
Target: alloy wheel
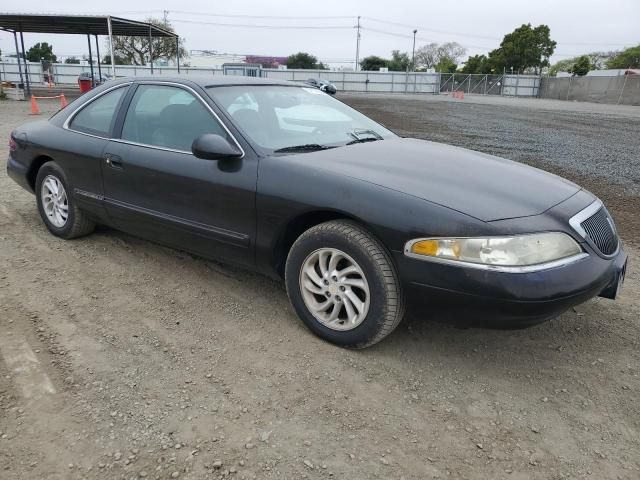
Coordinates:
(334,289)
(54,201)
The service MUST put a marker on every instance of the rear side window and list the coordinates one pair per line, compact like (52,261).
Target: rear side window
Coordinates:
(167,117)
(97,117)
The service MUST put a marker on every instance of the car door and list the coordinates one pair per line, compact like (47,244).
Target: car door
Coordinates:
(81,147)
(155,187)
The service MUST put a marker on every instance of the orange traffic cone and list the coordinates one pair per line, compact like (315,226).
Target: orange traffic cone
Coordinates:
(35,110)
(63,101)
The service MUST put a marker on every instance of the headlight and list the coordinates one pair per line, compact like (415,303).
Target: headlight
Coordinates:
(511,251)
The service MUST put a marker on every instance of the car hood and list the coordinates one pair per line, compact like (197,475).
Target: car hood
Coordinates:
(483,186)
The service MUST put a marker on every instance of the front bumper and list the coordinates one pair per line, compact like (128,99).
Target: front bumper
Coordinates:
(489,298)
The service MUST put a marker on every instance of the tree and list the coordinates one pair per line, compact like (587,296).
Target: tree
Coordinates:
(72,60)
(399,62)
(581,66)
(562,66)
(477,64)
(599,59)
(135,50)
(373,63)
(41,52)
(524,48)
(303,60)
(628,58)
(446,65)
(428,56)
(106,60)
(452,50)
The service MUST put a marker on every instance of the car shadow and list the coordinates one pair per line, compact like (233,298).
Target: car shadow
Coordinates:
(427,338)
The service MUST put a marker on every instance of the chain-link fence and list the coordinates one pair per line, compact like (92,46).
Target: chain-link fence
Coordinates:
(511,85)
(345,81)
(624,89)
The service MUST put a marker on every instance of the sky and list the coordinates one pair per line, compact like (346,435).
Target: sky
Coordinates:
(327,28)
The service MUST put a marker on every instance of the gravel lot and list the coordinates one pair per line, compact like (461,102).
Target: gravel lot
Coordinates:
(595,145)
(123,359)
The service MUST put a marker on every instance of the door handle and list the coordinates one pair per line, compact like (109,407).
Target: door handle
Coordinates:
(113,161)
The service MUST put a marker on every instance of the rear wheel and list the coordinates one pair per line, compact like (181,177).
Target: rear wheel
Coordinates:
(57,207)
(343,284)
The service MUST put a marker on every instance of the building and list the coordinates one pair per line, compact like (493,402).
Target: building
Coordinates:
(212,59)
(268,62)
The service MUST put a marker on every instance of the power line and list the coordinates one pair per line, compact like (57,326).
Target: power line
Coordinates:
(422,28)
(280,17)
(466,45)
(246,25)
(486,37)
(422,39)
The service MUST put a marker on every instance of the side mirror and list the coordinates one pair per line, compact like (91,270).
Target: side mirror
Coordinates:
(210,146)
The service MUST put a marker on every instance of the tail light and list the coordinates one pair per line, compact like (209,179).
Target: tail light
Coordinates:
(13,145)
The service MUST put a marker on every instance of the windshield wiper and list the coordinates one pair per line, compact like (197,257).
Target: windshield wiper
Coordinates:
(307,147)
(369,136)
(363,140)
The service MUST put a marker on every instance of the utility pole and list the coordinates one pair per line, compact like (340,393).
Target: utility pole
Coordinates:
(165,15)
(358,45)
(413,54)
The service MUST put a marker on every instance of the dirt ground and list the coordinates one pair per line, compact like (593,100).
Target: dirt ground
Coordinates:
(123,359)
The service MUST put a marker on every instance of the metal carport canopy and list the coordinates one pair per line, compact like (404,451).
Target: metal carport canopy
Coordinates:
(81,24)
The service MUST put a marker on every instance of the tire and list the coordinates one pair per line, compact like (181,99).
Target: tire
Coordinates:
(373,271)
(76,223)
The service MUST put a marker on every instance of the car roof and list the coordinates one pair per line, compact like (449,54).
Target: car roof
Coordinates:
(221,80)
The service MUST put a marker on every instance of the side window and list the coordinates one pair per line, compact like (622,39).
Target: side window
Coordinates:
(96,118)
(169,117)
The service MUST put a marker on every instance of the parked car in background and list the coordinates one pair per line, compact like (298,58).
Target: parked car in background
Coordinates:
(324,85)
(286,180)
(98,79)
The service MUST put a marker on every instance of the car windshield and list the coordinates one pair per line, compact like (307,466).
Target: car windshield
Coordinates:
(292,118)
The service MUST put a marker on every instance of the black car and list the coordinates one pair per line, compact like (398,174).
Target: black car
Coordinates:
(280,178)
(324,85)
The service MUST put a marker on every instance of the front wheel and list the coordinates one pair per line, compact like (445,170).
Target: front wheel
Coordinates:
(343,284)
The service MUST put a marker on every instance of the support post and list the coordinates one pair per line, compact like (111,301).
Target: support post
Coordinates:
(622,89)
(93,80)
(113,60)
(26,65)
(485,83)
(358,46)
(178,53)
(98,53)
(413,51)
(150,50)
(15,39)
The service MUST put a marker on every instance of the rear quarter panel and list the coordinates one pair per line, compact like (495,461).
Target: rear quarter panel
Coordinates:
(78,155)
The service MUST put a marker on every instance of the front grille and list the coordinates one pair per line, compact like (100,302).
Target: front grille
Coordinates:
(600,230)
